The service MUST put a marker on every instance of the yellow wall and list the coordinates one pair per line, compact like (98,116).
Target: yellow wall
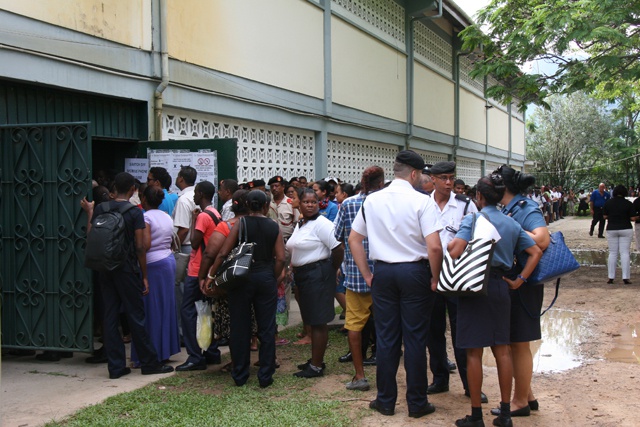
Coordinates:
(473,125)
(367,74)
(433,100)
(123,21)
(498,128)
(517,137)
(277,42)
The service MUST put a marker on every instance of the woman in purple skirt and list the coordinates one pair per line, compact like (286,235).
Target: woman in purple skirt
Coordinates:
(161,319)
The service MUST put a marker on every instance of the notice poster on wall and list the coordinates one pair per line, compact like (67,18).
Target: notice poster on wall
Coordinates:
(138,168)
(204,162)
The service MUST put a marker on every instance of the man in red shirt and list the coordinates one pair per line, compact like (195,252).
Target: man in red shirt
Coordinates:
(205,220)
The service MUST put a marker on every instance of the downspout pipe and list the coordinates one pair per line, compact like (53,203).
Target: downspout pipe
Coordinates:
(411,70)
(164,67)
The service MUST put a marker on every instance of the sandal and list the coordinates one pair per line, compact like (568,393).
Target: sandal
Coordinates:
(282,341)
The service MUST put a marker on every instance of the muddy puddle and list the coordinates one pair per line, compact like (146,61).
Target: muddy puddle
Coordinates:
(626,346)
(591,258)
(563,332)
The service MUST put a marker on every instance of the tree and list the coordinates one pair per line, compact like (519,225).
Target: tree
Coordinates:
(590,43)
(571,141)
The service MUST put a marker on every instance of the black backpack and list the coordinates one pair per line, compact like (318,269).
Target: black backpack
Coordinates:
(106,248)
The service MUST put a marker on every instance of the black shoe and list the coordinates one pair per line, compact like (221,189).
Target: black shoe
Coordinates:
(600,236)
(626,281)
(503,422)
(345,358)
(223,342)
(522,412)
(306,364)
(158,369)
(53,356)
(125,371)
(309,372)
(533,405)
(610,282)
(371,361)
(468,421)
(426,410)
(213,360)
(451,365)
(97,358)
(591,233)
(190,366)
(266,383)
(483,397)
(435,388)
(374,404)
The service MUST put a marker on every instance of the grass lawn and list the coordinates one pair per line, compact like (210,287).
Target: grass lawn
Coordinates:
(210,398)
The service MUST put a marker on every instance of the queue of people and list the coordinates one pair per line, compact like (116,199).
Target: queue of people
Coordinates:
(377,248)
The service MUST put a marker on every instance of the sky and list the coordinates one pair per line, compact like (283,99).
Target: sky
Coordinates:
(471,6)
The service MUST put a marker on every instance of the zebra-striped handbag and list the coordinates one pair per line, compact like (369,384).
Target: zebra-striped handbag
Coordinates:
(468,275)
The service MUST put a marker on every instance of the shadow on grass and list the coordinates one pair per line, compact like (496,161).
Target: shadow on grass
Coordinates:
(210,398)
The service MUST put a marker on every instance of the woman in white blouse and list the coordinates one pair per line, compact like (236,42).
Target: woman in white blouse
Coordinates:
(316,255)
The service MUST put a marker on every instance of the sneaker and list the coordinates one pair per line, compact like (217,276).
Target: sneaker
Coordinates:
(309,372)
(362,384)
(468,421)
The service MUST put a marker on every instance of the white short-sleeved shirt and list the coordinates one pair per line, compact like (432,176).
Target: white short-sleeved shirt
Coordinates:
(398,218)
(313,242)
(226,212)
(183,212)
(451,217)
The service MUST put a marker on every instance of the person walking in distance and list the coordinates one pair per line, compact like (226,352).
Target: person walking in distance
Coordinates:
(598,198)
(402,226)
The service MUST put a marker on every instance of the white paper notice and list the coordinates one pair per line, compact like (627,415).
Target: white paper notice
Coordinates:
(138,168)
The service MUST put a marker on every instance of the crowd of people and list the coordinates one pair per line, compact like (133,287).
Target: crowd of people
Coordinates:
(375,248)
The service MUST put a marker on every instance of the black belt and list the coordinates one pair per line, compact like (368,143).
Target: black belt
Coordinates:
(422,261)
(310,266)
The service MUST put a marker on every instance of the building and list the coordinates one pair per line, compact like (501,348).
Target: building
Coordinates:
(307,87)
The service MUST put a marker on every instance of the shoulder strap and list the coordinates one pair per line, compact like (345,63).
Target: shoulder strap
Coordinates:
(213,216)
(466,199)
(242,232)
(125,208)
(519,204)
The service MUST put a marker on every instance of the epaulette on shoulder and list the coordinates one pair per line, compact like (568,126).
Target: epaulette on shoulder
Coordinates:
(463,198)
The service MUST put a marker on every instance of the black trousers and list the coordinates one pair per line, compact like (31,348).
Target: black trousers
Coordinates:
(402,303)
(124,289)
(598,217)
(437,341)
(261,292)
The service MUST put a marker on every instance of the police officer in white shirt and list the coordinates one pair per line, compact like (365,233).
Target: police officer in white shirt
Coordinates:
(404,242)
(451,208)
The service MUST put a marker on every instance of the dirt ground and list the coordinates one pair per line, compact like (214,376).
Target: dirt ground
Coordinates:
(586,323)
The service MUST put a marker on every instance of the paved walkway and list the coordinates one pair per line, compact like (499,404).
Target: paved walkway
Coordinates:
(35,392)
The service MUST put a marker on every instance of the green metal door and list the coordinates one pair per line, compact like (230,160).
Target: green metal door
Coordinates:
(46,291)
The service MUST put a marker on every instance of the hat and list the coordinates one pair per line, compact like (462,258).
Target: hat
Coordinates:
(427,169)
(256,183)
(332,178)
(443,167)
(410,158)
(275,179)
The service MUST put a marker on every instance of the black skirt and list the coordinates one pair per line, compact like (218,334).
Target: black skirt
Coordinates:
(316,283)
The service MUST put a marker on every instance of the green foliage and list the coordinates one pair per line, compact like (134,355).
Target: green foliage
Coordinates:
(590,43)
(572,141)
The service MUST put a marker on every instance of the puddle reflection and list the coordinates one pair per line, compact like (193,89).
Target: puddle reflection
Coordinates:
(626,346)
(559,349)
(593,258)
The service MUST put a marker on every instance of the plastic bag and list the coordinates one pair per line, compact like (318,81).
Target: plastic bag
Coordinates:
(203,324)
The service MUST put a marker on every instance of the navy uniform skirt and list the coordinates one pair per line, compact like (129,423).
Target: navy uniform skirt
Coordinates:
(485,321)
(316,284)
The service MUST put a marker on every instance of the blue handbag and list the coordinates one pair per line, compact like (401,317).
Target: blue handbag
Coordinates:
(557,261)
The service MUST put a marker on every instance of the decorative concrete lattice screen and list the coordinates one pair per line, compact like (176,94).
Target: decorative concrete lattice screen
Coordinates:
(465,68)
(432,48)
(468,170)
(385,15)
(431,157)
(491,166)
(263,151)
(348,158)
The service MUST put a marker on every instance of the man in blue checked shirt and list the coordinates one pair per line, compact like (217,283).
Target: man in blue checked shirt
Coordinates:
(358,295)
